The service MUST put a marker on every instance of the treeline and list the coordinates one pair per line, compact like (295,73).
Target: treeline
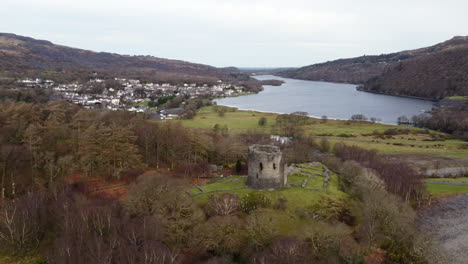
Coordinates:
(433,75)
(28,95)
(158,222)
(398,177)
(451,119)
(46,141)
(386,221)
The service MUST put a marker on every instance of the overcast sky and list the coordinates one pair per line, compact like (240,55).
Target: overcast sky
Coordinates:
(252,33)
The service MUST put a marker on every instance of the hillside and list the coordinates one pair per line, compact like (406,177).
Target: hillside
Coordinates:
(355,70)
(24,56)
(432,72)
(436,75)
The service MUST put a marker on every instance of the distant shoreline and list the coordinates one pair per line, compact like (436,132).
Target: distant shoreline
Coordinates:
(340,117)
(311,116)
(361,90)
(403,96)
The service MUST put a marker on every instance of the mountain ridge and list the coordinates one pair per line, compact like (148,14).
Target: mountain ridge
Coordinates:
(21,54)
(380,73)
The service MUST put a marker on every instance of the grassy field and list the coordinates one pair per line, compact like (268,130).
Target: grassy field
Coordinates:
(460,179)
(237,122)
(355,133)
(21,260)
(458,98)
(445,189)
(449,148)
(296,196)
(141,104)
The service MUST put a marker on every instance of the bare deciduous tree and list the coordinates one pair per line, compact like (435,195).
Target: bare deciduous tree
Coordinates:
(223,204)
(22,223)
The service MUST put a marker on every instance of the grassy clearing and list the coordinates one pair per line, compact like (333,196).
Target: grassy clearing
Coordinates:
(237,122)
(353,133)
(445,189)
(451,148)
(458,98)
(296,196)
(238,94)
(21,260)
(141,104)
(460,179)
(244,121)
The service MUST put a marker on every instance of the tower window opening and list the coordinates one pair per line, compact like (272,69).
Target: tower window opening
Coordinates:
(261,166)
(274,166)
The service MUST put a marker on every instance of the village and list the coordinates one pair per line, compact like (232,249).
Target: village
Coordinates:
(133,95)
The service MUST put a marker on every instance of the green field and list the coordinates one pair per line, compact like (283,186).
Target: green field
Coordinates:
(460,179)
(445,189)
(458,98)
(354,133)
(295,196)
(141,104)
(449,148)
(21,260)
(237,122)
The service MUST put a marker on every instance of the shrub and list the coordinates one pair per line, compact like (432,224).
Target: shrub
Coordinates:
(262,228)
(220,235)
(359,117)
(399,178)
(344,135)
(166,200)
(323,240)
(223,204)
(283,250)
(325,145)
(329,210)
(238,166)
(391,131)
(253,201)
(281,204)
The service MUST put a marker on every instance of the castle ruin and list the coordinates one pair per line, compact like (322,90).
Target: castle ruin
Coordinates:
(266,167)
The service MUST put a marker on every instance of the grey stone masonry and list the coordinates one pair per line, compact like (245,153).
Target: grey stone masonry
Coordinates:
(266,167)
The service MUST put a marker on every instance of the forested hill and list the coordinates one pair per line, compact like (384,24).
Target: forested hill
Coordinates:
(432,72)
(22,56)
(435,75)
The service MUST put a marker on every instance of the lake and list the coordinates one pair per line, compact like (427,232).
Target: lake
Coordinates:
(335,100)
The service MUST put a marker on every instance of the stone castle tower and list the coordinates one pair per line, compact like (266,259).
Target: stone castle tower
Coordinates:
(266,167)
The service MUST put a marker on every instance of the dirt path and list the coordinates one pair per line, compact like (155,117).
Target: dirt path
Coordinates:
(448,223)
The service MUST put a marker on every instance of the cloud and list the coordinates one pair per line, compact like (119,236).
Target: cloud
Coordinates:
(239,32)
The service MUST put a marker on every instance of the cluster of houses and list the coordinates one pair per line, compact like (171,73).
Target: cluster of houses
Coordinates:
(133,95)
(37,83)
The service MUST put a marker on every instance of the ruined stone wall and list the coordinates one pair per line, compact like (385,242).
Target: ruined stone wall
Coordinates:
(266,167)
(446,172)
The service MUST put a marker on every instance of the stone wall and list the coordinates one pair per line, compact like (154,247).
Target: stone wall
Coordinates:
(266,167)
(447,172)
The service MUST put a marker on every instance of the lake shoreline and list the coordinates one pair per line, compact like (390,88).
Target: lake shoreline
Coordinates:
(403,96)
(281,113)
(361,90)
(337,101)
